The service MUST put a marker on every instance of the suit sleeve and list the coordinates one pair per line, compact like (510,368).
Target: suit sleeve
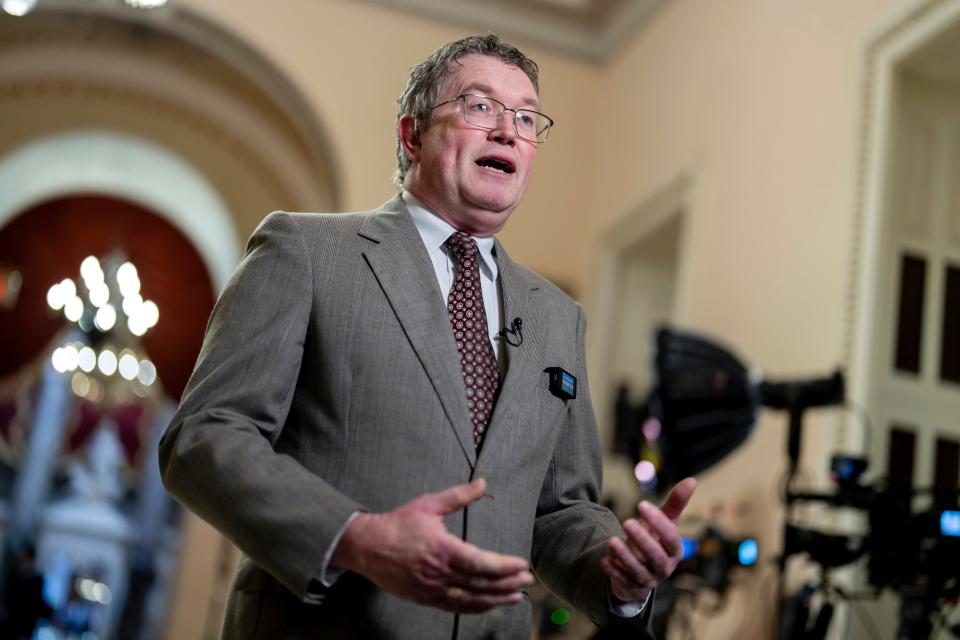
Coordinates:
(217,456)
(572,529)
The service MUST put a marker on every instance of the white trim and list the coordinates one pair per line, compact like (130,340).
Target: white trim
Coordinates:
(127,167)
(672,201)
(171,89)
(192,29)
(887,46)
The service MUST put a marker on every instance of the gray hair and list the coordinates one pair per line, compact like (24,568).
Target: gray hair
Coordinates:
(427,78)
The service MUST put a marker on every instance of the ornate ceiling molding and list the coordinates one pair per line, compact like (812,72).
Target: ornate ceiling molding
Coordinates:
(104,76)
(174,48)
(591,30)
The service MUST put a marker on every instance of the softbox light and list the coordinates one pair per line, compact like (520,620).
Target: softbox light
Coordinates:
(707,402)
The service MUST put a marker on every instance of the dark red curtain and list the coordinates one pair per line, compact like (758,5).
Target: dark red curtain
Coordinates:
(48,242)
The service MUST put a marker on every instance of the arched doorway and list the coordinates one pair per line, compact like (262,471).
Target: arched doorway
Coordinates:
(146,104)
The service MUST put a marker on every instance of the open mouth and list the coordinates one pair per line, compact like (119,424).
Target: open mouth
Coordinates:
(497,164)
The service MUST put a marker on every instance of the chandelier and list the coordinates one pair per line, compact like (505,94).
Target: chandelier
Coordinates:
(103,354)
(23,7)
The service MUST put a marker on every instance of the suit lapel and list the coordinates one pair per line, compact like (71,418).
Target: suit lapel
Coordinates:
(399,261)
(520,300)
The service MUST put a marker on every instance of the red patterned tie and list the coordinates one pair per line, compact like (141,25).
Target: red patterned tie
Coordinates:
(481,376)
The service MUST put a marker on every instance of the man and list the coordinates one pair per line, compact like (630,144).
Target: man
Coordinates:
(389,461)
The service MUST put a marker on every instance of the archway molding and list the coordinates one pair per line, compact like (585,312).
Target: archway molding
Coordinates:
(130,168)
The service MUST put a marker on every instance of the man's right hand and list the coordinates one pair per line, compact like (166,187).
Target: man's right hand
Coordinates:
(409,552)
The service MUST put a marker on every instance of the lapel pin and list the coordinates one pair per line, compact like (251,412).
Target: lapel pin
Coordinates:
(563,384)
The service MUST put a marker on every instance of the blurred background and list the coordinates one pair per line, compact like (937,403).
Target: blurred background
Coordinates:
(780,177)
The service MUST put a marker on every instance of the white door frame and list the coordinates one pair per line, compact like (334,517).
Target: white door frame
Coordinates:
(886,47)
(673,200)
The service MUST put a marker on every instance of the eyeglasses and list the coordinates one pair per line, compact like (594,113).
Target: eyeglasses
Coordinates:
(485,112)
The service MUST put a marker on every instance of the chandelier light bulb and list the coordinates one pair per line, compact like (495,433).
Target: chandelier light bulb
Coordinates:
(150,313)
(128,366)
(71,357)
(90,270)
(148,373)
(128,280)
(87,360)
(136,325)
(99,294)
(68,288)
(73,309)
(106,317)
(57,360)
(107,362)
(96,391)
(55,297)
(131,304)
(146,4)
(80,384)
(18,7)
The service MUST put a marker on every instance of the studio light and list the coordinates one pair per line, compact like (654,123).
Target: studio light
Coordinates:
(707,402)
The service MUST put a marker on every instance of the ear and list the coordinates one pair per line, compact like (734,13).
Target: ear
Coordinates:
(409,136)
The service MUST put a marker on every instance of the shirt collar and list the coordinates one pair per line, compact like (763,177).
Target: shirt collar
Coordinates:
(435,230)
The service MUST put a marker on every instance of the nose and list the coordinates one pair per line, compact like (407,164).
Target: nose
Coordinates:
(505,132)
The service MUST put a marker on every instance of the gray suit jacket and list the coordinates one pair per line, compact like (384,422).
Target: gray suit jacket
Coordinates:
(329,382)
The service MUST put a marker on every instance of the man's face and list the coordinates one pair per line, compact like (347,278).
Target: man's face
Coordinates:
(472,177)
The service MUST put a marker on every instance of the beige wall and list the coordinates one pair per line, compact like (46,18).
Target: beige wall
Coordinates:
(351,61)
(756,102)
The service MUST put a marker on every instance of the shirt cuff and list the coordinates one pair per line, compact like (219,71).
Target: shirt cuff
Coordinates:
(328,576)
(626,609)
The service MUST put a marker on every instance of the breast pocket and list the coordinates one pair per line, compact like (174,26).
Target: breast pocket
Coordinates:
(551,411)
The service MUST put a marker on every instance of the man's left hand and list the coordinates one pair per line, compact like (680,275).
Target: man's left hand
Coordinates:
(653,547)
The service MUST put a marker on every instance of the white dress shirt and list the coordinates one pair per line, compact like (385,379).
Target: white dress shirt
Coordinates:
(434,231)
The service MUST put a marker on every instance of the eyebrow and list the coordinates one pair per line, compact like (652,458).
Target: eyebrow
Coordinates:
(528,103)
